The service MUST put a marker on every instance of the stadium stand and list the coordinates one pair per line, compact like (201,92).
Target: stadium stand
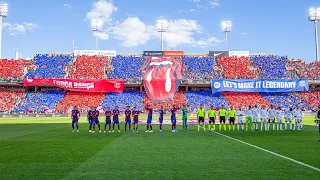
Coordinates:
(195,98)
(307,70)
(50,66)
(126,67)
(13,69)
(122,100)
(273,67)
(199,68)
(236,67)
(244,99)
(39,102)
(285,100)
(8,99)
(178,100)
(80,99)
(90,67)
(311,97)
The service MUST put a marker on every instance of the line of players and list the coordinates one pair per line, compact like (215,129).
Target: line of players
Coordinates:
(268,116)
(93,118)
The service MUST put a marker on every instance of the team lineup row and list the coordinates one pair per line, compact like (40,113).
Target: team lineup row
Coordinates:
(268,116)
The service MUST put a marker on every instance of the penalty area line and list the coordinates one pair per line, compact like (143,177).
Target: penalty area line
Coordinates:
(271,152)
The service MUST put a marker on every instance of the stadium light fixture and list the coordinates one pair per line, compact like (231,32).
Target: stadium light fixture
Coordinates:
(162,26)
(97,28)
(3,14)
(226,28)
(314,16)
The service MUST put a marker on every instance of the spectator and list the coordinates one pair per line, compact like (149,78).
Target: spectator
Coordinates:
(13,69)
(285,100)
(236,67)
(179,99)
(90,67)
(244,99)
(50,66)
(127,67)
(39,102)
(199,68)
(8,99)
(122,100)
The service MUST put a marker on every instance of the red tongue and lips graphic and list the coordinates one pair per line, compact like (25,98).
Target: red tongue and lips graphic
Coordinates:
(162,78)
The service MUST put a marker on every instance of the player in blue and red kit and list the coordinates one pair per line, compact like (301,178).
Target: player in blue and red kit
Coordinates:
(115,119)
(135,114)
(127,113)
(95,120)
(89,116)
(173,118)
(108,115)
(75,114)
(161,114)
(149,120)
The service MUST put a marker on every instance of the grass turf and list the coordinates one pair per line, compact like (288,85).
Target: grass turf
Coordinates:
(45,148)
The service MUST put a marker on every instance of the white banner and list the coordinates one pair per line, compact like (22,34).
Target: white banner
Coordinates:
(111,53)
(239,53)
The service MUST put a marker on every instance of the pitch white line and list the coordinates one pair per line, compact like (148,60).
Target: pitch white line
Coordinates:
(276,154)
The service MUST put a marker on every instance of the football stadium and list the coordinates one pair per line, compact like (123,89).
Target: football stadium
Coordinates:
(158,112)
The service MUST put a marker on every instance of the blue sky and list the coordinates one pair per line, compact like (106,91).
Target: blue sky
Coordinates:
(270,26)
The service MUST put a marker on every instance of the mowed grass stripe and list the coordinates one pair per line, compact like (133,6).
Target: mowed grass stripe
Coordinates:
(190,155)
(49,154)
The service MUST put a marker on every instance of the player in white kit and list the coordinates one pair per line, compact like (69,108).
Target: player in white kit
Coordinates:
(271,117)
(288,113)
(297,113)
(241,122)
(279,118)
(263,117)
(255,113)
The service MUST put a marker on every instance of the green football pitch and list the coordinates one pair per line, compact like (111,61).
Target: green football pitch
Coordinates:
(45,148)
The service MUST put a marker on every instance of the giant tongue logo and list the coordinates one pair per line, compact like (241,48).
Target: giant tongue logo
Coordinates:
(162,78)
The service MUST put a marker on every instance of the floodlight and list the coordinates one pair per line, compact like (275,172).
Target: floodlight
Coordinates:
(4,10)
(314,16)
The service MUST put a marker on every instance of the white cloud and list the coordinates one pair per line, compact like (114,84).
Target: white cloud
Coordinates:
(194,0)
(214,3)
(67,6)
(16,29)
(244,33)
(132,32)
(102,11)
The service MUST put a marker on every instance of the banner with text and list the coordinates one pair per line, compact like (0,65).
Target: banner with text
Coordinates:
(79,84)
(111,53)
(259,85)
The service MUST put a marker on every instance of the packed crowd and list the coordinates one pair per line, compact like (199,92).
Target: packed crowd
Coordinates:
(13,69)
(311,97)
(285,100)
(273,67)
(39,102)
(178,100)
(126,67)
(131,98)
(83,101)
(50,66)
(244,99)
(196,98)
(199,68)
(8,99)
(89,67)
(307,70)
(236,67)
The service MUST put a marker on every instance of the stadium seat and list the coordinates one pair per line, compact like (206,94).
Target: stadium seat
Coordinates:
(199,68)
(244,99)
(39,102)
(90,67)
(285,100)
(307,70)
(8,99)
(126,67)
(236,67)
(13,69)
(84,101)
(312,98)
(178,100)
(131,98)
(272,67)
(50,66)
(204,97)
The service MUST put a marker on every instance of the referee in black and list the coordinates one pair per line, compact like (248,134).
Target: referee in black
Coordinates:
(318,119)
